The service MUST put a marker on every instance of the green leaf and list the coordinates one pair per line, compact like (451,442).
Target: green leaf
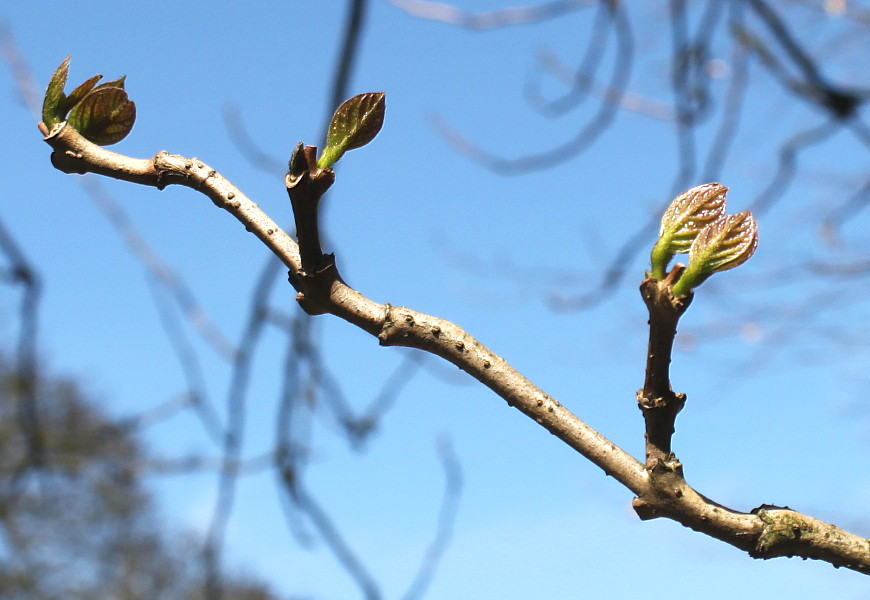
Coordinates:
(52,105)
(78,94)
(355,123)
(105,116)
(118,83)
(722,245)
(684,219)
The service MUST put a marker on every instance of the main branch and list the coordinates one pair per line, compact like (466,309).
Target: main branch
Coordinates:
(659,486)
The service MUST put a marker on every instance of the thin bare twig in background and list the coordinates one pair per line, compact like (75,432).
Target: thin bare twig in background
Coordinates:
(612,274)
(446,520)
(253,465)
(619,26)
(840,102)
(26,85)
(726,133)
(787,163)
(159,269)
(331,535)
(581,80)
(628,101)
(245,144)
(447,13)
(21,272)
(856,202)
(235,419)
(196,395)
(394,385)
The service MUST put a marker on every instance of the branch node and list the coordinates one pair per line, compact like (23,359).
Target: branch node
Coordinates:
(306,183)
(314,287)
(387,325)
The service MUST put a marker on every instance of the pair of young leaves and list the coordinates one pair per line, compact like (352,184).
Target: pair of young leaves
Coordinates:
(695,222)
(105,115)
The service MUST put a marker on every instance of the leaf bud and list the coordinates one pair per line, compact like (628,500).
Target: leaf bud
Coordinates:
(724,244)
(683,220)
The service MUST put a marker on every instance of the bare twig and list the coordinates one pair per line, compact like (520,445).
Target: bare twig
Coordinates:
(581,80)
(331,535)
(766,532)
(197,394)
(628,101)
(588,134)
(787,163)
(20,272)
(232,447)
(255,156)
(446,519)
(452,15)
(719,148)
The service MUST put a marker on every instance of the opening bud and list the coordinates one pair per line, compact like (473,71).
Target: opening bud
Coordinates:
(683,221)
(721,245)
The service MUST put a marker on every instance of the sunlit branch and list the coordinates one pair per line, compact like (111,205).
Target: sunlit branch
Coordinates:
(766,532)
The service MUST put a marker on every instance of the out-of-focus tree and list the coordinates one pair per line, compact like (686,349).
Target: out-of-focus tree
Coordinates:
(82,525)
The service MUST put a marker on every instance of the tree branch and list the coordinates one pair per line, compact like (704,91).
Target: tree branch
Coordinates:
(661,490)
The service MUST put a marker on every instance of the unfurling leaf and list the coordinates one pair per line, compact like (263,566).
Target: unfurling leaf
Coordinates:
(53,110)
(105,116)
(355,123)
(118,83)
(78,94)
(101,113)
(722,245)
(683,220)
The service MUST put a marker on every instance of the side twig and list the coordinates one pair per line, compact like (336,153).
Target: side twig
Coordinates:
(659,485)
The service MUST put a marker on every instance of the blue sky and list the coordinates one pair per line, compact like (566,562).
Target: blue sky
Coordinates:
(777,411)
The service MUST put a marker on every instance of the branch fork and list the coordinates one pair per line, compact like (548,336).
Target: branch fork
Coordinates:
(306,184)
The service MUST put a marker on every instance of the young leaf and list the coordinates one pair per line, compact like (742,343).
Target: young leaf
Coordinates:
(684,219)
(722,245)
(355,123)
(79,93)
(118,83)
(52,105)
(105,116)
